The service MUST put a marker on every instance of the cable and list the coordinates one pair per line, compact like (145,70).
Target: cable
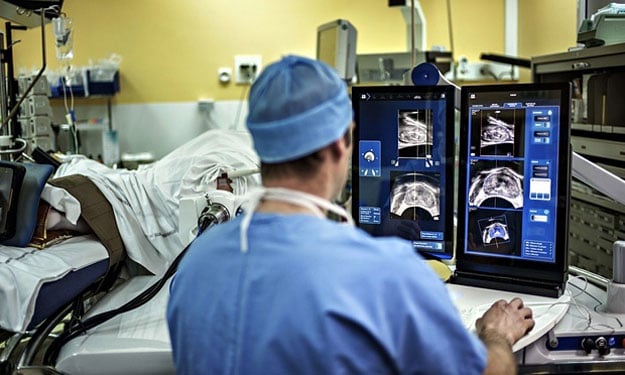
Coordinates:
(16,150)
(78,327)
(413,53)
(451,39)
(451,29)
(583,312)
(243,95)
(56,10)
(582,290)
(212,215)
(69,110)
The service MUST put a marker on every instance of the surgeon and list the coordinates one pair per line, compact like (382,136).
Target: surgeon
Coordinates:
(282,289)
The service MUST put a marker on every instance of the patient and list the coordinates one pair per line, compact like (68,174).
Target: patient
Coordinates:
(134,214)
(146,201)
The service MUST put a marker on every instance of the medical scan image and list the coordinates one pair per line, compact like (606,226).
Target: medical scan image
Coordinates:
(415,196)
(496,184)
(497,132)
(414,133)
(495,231)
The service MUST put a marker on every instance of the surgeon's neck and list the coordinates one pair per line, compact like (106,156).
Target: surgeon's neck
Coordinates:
(318,186)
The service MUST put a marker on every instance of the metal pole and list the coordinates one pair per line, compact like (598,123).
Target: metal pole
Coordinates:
(413,56)
(16,107)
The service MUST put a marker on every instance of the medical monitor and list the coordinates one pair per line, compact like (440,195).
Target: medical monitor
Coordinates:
(514,182)
(402,164)
(336,46)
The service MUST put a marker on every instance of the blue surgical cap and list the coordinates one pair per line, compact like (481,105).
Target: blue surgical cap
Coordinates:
(297,106)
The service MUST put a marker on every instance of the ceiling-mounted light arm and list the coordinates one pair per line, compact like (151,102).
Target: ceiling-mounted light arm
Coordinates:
(415,27)
(413,55)
(598,178)
(505,59)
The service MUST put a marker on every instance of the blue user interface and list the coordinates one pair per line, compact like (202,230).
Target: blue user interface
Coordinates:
(511,174)
(402,166)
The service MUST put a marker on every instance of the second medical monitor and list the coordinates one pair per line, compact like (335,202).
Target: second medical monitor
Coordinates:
(514,186)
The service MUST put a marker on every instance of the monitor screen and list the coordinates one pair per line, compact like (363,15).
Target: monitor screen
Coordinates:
(514,180)
(336,46)
(402,164)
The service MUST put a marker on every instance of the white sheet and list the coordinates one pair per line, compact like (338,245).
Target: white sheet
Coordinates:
(145,201)
(23,270)
(116,346)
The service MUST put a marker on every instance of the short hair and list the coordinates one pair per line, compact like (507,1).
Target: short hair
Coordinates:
(304,167)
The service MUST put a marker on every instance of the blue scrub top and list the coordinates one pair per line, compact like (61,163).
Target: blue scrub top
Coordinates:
(312,296)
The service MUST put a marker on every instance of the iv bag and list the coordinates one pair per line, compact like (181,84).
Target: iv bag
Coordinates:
(62,28)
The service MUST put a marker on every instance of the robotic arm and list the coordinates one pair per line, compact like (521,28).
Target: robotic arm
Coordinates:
(200,212)
(597,177)
(427,74)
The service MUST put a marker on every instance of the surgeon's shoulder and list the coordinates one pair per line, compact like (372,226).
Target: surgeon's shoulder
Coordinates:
(214,238)
(388,246)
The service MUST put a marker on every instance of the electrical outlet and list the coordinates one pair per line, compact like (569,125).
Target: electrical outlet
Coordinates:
(246,68)
(205,105)
(224,74)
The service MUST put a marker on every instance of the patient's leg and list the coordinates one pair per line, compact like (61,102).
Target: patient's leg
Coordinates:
(57,221)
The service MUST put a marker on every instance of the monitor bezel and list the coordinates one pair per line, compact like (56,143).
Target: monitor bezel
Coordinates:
(514,267)
(449,91)
(10,207)
(345,47)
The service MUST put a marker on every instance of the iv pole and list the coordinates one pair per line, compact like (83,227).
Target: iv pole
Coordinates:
(6,138)
(413,54)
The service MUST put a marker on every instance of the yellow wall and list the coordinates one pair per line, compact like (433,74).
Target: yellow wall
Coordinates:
(546,27)
(477,26)
(171,50)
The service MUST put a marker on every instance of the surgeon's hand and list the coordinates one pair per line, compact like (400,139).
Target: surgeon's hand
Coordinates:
(499,328)
(406,229)
(503,320)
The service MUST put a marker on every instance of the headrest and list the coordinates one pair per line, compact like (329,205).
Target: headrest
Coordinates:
(25,214)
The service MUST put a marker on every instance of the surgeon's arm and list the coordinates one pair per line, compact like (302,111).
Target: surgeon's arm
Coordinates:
(499,328)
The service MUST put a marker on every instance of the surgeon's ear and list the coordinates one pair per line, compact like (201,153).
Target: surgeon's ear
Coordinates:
(338,148)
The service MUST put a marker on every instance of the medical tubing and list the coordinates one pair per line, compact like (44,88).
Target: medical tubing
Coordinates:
(70,115)
(213,214)
(79,327)
(205,223)
(15,150)
(451,33)
(243,95)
